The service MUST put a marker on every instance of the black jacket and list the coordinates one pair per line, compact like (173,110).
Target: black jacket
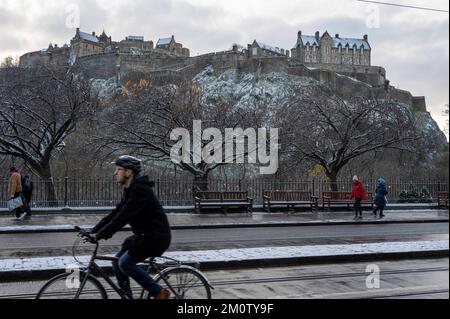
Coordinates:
(141,209)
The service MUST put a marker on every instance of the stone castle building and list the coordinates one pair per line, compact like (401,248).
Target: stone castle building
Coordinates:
(327,50)
(169,44)
(104,58)
(89,44)
(343,63)
(258,49)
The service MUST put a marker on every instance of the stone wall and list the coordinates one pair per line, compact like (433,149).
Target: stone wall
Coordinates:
(100,66)
(56,57)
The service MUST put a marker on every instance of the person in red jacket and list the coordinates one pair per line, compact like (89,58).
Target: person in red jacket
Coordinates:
(359,194)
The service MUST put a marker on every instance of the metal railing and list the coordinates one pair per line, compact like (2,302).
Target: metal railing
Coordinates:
(100,192)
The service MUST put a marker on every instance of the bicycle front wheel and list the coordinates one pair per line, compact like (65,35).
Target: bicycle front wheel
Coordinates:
(66,286)
(185,283)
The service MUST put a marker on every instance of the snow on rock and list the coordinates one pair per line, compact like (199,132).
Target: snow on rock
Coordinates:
(247,90)
(244,89)
(432,133)
(105,88)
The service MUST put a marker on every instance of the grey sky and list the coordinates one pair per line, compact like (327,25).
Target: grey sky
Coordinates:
(412,45)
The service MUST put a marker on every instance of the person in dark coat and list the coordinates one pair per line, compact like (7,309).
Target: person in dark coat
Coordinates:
(140,209)
(359,194)
(380,197)
(27,191)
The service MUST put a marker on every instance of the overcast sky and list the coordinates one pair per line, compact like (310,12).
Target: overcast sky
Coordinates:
(413,45)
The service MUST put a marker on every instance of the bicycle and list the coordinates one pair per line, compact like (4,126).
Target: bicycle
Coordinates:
(183,281)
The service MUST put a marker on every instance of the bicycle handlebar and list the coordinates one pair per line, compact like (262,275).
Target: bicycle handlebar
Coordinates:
(86,235)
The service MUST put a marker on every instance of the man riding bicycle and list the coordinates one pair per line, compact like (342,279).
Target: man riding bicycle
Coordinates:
(141,209)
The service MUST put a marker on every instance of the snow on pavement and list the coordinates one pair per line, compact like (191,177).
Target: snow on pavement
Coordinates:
(230,255)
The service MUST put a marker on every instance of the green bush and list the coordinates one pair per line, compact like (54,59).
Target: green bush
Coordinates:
(414,195)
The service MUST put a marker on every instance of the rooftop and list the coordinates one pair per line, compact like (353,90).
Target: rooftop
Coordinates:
(88,37)
(164,41)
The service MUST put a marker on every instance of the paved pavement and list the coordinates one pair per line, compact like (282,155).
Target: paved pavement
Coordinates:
(64,222)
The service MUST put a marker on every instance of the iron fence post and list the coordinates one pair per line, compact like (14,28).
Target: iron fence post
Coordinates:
(158,188)
(65,190)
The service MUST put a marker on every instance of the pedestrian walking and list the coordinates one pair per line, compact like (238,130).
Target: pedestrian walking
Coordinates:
(15,190)
(27,191)
(380,197)
(359,194)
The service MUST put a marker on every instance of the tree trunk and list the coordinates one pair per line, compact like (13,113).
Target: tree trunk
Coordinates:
(332,177)
(200,183)
(50,192)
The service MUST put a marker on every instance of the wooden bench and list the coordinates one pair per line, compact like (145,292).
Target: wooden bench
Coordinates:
(224,200)
(442,198)
(343,198)
(288,198)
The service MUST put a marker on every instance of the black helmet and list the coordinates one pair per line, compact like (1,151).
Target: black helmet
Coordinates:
(129,162)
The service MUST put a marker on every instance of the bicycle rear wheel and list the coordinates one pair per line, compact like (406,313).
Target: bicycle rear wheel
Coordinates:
(65,286)
(186,282)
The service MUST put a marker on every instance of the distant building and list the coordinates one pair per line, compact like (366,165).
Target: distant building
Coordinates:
(132,42)
(84,43)
(259,49)
(328,50)
(169,44)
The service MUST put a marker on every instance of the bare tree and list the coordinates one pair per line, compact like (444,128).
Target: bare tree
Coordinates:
(142,119)
(326,130)
(37,113)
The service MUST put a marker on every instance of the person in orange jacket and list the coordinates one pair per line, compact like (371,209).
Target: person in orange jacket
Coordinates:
(15,190)
(359,194)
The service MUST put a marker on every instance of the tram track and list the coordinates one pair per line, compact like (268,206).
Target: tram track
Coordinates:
(229,283)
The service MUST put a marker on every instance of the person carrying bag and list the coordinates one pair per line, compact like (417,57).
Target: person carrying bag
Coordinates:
(15,201)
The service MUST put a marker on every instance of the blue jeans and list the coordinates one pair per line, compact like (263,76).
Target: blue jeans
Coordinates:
(126,267)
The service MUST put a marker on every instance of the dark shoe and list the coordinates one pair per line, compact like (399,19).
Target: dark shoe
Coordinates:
(381,216)
(163,294)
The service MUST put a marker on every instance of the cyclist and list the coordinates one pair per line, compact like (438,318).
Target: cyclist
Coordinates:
(141,209)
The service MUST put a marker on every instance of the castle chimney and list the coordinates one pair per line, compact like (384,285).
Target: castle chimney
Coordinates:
(288,53)
(93,33)
(299,34)
(282,52)
(317,35)
(366,37)
(337,35)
